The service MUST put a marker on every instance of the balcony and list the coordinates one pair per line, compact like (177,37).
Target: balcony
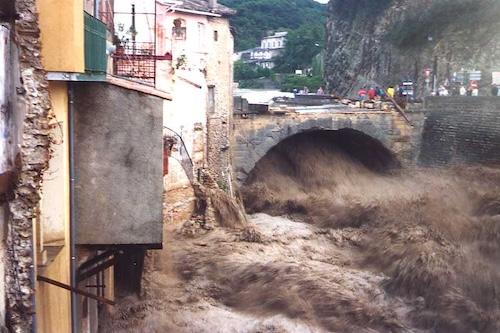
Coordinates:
(95,45)
(138,61)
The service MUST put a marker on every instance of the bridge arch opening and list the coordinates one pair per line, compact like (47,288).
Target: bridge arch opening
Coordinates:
(315,169)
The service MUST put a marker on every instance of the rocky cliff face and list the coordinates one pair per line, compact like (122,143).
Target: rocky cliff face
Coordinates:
(383,42)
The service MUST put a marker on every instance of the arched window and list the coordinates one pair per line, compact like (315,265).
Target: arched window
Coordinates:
(179,29)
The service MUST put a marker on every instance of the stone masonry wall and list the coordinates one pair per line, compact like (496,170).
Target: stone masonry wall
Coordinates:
(255,136)
(32,93)
(219,118)
(461,130)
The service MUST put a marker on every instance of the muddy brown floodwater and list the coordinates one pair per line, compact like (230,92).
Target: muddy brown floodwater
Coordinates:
(338,240)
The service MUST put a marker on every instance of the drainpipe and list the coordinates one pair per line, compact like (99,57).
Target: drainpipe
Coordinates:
(72,228)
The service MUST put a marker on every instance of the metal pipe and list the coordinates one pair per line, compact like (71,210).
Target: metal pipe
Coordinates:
(75,290)
(154,42)
(72,219)
(133,31)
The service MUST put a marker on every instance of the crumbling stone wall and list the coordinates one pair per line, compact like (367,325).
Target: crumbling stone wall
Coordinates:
(219,118)
(32,93)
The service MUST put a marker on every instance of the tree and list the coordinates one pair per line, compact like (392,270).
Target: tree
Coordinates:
(244,71)
(292,81)
(302,46)
(255,18)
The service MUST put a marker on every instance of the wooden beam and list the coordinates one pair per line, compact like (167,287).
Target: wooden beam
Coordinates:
(85,274)
(399,109)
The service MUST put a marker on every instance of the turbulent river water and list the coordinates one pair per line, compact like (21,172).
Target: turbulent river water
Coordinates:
(339,239)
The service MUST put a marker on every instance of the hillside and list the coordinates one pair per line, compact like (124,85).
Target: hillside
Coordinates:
(388,41)
(256,17)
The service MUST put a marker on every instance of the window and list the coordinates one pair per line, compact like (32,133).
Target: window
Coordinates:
(179,30)
(211,100)
(201,36)
(216,35)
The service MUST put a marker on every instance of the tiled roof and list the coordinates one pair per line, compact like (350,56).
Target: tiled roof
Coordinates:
(202,6)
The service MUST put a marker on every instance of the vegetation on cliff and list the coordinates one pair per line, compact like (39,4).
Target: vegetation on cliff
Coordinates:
(256,17)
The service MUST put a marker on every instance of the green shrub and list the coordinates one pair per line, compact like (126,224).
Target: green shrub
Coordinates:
(292,81)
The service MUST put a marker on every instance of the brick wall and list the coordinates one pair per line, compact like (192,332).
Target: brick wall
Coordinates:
(461,130)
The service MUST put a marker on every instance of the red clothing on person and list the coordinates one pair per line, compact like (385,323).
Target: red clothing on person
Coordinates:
(372,93)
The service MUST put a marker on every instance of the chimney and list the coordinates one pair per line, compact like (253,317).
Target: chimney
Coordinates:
(212,4)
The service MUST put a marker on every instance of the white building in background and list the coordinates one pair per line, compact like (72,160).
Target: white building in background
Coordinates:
(264,56)
(274,42)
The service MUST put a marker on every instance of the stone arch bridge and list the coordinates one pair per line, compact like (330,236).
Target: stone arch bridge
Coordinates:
(255,135)
(443,131)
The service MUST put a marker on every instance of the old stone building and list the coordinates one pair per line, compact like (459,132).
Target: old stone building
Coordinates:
(197,34)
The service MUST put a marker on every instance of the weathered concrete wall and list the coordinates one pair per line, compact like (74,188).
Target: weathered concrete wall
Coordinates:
(119,165)
(461,130)
(255,136)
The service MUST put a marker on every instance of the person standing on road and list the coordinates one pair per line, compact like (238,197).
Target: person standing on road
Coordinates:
(380,92)
(494,90)
(372,93)
(474,88)
(390,91)
(362,94)
(463,91)
(320,91)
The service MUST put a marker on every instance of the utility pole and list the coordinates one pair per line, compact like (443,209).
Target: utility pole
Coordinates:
(133,31)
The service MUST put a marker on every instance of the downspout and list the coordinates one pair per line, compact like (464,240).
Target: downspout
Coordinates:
(72,218)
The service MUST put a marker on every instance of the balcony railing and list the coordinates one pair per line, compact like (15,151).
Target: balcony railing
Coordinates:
(137,61)
(95,45)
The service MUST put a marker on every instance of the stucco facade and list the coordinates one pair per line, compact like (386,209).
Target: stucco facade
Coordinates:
(62,38)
